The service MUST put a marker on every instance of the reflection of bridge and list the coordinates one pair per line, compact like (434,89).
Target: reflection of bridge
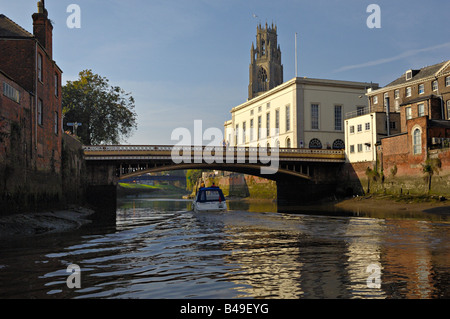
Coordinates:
(299,173)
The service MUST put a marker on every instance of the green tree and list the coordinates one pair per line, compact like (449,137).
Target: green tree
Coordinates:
(372,174)
(192,176)
(432,166)
(106,112)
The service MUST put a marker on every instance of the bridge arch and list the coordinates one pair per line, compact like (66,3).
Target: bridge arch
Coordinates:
(249,169)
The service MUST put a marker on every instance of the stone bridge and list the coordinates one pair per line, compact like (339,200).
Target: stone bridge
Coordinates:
(301,174)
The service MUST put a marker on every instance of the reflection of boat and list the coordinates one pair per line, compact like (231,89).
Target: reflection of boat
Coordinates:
(209,199)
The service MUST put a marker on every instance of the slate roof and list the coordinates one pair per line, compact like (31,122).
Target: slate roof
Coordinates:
(418,74)
(10,29)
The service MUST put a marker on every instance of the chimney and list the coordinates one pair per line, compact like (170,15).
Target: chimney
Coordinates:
(42,27)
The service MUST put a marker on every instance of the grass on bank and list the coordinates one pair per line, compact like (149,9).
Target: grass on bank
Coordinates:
(132,187)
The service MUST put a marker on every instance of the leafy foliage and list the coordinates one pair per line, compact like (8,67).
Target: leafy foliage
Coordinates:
(432,166)
(105,112)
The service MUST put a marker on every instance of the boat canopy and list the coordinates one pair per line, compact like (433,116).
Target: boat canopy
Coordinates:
(210,194)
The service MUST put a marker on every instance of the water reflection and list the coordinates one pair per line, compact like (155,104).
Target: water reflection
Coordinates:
(161,249)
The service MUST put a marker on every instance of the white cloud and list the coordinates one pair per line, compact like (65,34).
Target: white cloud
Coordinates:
(403,55)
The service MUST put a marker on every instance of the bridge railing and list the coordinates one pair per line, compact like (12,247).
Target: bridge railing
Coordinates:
(131,148)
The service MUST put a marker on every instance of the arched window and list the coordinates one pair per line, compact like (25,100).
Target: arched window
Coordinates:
(338,144)
(417,141)
(262,75)
(315,143)
(288,142)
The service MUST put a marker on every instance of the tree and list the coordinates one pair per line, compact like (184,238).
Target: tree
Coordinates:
(106,113)
(192,176)
(371,174)
(432,166)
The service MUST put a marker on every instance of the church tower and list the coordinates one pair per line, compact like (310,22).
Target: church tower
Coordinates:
(266,70)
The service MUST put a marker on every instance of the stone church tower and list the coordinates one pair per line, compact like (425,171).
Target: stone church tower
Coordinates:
(266,70)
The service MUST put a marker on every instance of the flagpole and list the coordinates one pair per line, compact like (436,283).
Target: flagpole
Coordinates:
(296,69)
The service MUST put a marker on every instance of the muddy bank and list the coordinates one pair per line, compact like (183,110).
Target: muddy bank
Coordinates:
(392,204)
(28,224)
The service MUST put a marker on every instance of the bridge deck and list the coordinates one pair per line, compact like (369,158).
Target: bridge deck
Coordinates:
(130,152)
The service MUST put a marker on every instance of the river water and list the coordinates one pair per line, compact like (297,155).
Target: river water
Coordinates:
(160,249)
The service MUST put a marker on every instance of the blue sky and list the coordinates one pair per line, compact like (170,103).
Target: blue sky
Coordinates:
(185,60)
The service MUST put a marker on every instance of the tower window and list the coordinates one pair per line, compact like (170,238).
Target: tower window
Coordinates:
(263,47)
(262,75)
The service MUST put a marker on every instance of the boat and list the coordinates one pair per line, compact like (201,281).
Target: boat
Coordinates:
(209,199)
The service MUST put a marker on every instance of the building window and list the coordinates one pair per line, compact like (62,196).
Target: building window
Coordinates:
(421,88)
(408,91)
(417,141)
(244,127)
(421,109)
(40,114)
(397,94)
(259,127)
(434,85)
(56,84)
(11,92)
(368,147)
(56,123)
(359,128)
(237,134)
(288,142)
(277,121)
(352,129)
(360,148)
(447,81)
(40,67)
(393,125)
(338,117)
(367,126)
(448,110)
(267,124)
(315,143)
(268,106)
(288,118)
(375,99)
(338,144)
(352,149)
(408,113)
(251,129)
(259,108)
(315,116)
(360,110)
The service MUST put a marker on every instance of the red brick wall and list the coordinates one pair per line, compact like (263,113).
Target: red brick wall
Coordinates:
(15,125)
(18,61)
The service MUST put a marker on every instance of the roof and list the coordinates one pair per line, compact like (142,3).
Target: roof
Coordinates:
(10,29)
(420,74)
(420,99)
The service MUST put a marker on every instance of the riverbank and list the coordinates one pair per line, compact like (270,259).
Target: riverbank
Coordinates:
(396,204)
(29,224)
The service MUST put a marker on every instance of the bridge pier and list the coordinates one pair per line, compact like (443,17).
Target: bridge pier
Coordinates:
(293,194)
(101,192)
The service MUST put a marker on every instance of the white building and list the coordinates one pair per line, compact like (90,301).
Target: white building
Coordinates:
(301,112)
(364,129)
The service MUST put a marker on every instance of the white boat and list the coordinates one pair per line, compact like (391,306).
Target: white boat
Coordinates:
(209,199)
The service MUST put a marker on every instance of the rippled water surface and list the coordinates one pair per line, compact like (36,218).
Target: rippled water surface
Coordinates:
(160,249)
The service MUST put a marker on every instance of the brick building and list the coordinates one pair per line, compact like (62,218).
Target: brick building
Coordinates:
(30,103)
(420,92)
(420,101)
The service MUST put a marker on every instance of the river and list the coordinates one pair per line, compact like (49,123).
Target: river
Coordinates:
(158,248)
